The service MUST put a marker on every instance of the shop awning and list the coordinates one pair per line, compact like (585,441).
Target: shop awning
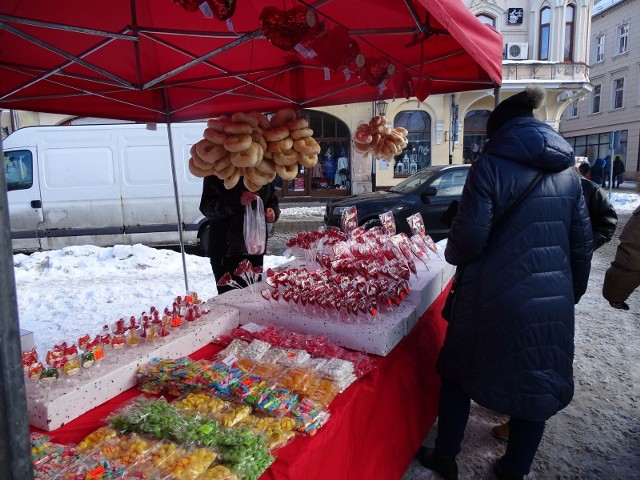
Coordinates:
(138,60)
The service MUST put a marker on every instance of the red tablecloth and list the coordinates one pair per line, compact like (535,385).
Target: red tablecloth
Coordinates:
(376,425)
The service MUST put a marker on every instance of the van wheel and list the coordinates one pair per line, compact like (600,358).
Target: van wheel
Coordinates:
(203,240)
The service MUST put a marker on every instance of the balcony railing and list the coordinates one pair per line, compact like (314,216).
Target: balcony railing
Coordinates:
(532,70)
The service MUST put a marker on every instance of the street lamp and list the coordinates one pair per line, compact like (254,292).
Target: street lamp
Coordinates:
(381,109)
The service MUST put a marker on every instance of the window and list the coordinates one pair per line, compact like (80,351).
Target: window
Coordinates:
(417,155)
(18,168)
(598,146)
(450,183)
(487,19)
(569,24)
(618,93)
(623,38)
(599,53)
(572,110)
(475,134)
(595,98)
(545,29)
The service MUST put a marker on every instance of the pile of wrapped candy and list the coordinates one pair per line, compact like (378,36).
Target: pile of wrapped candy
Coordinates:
(70,359)
(192,424)
(362,272)
(318,346)
(275,390)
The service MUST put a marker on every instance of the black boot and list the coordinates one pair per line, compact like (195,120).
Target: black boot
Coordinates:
(445,466)
(503,475)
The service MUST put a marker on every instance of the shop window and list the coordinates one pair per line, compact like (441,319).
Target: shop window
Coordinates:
(417,155)
(18,169)
(598,145)
(475,134)
(569,28)
(332,174)
(545,30)
(595,98)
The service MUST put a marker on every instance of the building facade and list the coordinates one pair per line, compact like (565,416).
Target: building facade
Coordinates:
(607,120)
(546,42)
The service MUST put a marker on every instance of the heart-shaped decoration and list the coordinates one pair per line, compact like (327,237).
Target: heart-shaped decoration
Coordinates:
(284,28)
(375,71)
(189,5)
(403,84)
(222,9)
(423,88)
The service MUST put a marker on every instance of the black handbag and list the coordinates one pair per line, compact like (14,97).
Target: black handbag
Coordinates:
(455,284)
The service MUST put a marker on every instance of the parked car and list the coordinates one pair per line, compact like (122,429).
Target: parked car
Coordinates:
(429,192)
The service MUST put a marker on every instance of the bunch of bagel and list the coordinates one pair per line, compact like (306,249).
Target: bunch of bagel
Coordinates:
(379,138)
(254,148)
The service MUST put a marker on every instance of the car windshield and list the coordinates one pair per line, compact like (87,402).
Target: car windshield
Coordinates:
(414,181)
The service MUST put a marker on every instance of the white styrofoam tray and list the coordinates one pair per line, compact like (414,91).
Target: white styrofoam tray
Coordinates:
(67,399)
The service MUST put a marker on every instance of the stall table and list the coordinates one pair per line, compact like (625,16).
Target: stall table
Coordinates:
(376,424)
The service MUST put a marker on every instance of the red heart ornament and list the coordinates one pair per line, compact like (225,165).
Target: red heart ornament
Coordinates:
(284,28)
(423,89)
(222,9)
(375,71)
(189,5)
(403,84)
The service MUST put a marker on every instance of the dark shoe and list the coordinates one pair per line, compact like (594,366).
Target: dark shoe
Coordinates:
(501,432)
(446,467)
(502,475)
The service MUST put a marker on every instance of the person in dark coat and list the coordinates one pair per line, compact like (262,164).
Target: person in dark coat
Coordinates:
(607,169)
(510,340)
(225,211)
(604,220)
(618,172)
(597,171)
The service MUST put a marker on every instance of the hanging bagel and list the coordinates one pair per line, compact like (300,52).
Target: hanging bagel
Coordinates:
(307,146)
(266,166)
(282,117)
(241,117)
(280,145)
(232,180)
(276,134)
(307,161)
(301,133)
(290,157)
(287,172)
(237,143)
(209,152)
(215,136)
(247,157)
(198,172)
(236,128)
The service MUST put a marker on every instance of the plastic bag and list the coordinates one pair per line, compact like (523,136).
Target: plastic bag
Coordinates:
(255,229)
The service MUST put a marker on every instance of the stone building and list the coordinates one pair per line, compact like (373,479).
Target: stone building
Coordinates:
(606,121)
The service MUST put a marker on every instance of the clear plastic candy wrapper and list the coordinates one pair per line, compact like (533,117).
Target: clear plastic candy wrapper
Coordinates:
(388,223)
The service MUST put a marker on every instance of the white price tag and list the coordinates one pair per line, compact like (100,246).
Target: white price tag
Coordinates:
(230,360)
(252,327)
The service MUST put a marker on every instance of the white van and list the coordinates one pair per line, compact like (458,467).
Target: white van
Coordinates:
(101,185)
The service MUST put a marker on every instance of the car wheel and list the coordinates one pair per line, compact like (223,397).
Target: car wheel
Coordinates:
(203,239)
(372,222)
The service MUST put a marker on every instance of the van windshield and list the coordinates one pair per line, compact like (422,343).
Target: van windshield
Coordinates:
(18,169)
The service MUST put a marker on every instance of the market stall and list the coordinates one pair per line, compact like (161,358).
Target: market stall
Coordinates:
(184,60)
(376,424)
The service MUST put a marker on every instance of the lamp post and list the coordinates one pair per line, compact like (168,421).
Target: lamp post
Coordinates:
(380,109)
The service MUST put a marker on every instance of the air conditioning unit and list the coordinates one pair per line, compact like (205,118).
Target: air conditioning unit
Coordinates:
(517,51)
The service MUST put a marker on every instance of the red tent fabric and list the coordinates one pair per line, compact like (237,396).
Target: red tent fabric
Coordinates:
(143,59)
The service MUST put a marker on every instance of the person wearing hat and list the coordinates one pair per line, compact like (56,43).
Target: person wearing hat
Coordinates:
(509,342)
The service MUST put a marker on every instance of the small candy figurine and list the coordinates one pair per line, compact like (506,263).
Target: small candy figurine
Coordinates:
(87,360)
(118,342)
(49,375)
(28,359)
(35,369)
(132,337)
(72,365)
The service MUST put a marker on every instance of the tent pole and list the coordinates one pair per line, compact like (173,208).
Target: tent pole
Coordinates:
(175,188)
(15,447)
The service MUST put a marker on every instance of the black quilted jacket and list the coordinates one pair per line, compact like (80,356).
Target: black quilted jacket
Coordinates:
(509,343)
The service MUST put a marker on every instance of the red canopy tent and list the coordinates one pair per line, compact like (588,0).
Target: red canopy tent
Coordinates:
(141,60)
(156,61)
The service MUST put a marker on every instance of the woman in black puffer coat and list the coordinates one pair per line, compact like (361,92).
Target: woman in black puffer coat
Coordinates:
(509,343)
